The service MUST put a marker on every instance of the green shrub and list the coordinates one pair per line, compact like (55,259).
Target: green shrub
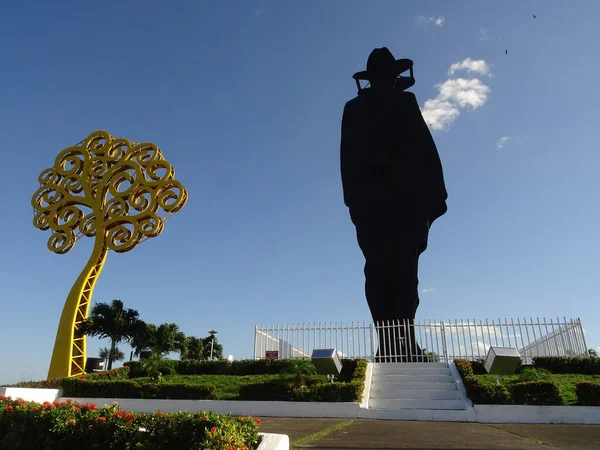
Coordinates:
(266,391)
(536,393)
(82,388)
(588,394)
(136,369)
(42,384)
(73,426)
(568,364)
(533,374)
(478,367)
(120,373)
(311,389)
(484,394)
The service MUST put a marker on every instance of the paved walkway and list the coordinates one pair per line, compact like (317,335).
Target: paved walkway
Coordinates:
(340,434)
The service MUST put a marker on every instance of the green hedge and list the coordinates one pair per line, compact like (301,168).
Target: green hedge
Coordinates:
(353,371)
(244,367)
(73,426)
(569,365)
(83,388)
(169,367)
(536,393)
(588,394)
(525,393)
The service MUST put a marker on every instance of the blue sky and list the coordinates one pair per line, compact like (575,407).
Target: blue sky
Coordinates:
(245,100)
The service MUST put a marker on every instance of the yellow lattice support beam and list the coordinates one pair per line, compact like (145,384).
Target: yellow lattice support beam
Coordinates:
(115,191)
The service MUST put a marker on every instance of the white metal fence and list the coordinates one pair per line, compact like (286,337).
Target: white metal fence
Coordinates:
(439,341)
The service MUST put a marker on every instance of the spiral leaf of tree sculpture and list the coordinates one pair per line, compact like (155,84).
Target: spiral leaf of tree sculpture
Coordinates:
(111,189)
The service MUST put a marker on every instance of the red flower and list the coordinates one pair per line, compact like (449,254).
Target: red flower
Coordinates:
(257,421)
(204,418)
(213,430)
(71,421)
(129,416)
(9,408)
(101,419)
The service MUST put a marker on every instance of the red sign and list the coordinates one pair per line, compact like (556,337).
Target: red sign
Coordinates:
(272,354)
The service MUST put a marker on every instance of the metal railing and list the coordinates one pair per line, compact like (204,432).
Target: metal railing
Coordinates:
(398,341)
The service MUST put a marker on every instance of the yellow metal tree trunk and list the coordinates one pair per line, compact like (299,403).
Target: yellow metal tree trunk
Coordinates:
(69,355)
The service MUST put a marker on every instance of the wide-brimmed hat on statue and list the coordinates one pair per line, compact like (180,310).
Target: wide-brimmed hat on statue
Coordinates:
(382,62)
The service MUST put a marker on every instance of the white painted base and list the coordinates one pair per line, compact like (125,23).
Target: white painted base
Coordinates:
(31,395)
(589,415)
(270,441)
(477,413)
(236,408)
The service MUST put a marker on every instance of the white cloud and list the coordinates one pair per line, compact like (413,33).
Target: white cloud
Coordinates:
(483,34)
(457,93)
(428,291)
(506,139)
(438,21)
(503,140)
(471,65)
(258,12)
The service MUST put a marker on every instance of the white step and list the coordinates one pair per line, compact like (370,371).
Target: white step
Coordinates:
(411,370)
(415,404)
(418,385)
(409,365)
(401,379)
(413,394)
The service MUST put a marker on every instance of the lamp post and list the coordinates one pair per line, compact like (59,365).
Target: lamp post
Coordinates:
(212,342)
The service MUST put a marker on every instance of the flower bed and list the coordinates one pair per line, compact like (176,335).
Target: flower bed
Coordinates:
(349,389)
(568,365)
(117,388)
(539,392)
(73,426)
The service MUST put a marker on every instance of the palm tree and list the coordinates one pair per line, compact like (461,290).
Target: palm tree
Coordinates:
(144,339)
(195,348)
(167,338)
(107,355)
(112,322)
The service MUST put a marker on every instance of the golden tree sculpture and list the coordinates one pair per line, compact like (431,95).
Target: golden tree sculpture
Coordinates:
(114,190)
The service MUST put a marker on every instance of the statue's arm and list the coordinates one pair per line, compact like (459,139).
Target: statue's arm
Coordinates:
(428,158)
(346,155)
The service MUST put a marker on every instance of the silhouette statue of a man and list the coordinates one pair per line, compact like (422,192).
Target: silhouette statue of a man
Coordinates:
(394,188)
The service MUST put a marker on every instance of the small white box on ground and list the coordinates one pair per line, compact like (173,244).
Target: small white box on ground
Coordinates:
(502,360)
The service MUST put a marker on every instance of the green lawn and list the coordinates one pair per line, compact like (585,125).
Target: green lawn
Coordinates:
(228,386)
(566,382)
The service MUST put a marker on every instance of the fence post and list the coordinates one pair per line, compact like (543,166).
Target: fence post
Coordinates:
(255,331)
(444,347)
(371,326)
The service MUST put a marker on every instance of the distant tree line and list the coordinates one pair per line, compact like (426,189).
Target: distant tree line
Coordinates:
(120,325)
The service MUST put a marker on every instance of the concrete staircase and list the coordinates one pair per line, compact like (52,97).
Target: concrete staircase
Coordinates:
(401,386)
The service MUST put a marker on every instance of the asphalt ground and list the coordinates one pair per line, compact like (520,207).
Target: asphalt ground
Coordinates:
(342,434)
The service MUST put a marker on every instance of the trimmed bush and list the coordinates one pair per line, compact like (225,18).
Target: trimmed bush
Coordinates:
(120,373)
(243,367)
(83,388)
(536,393)
(267,391)
(73,426)
(43,384)
(568,365)
(311,389)
(588,394)
(483,394)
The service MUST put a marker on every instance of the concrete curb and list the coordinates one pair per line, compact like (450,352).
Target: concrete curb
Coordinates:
(477,413)
(270,441)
